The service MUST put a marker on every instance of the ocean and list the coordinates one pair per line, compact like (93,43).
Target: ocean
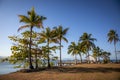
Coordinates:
(6,68)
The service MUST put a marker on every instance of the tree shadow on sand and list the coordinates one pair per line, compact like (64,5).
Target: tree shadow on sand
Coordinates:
(74,70)
(88,70)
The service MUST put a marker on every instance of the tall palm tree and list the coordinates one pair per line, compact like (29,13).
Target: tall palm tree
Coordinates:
(32,20)
(113,37)
(73,49)
(60,33)
(87,42)
(48,36)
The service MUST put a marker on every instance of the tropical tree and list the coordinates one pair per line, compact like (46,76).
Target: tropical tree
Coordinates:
(113,37)
(105,55)
(48,36)
(60,35)
(97,52)
(80,50)
(87,42)
(19,51)
(21,47)
(35,50)
(73,50)
(32,20)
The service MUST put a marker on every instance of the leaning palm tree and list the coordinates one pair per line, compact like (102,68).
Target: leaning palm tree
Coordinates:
(87,42)
(113,37)
(32,20)
(73,49)
(48,36)
(60,33)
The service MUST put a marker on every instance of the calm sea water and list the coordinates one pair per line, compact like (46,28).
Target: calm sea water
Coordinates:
(6,68)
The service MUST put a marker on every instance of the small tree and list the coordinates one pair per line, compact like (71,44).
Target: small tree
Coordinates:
(97,52)
(73,49)
(105,55)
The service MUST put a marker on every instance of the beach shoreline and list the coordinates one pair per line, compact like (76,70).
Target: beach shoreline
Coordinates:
(75,72)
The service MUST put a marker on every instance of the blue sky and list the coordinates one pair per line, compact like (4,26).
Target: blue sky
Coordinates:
(95,17)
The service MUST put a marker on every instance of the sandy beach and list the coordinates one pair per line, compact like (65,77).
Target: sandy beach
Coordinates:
(77,72)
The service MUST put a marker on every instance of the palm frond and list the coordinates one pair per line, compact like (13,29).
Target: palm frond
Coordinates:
(65,39)
(24,19)
(22,27)
(41,40)
(65,31)
(113,36)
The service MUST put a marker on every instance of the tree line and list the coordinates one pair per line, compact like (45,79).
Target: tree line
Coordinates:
(31,47)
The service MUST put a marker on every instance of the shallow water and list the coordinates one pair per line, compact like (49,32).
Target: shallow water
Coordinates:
(6,68)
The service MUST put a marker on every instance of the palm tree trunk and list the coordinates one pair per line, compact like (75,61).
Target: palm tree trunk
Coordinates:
(115,52)
(88,58)
(36,63)
(75,59)
(60,54)
(80,57)
(97,58)
(48,55)
(30,60)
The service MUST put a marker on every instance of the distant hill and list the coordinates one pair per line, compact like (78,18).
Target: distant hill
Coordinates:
(2,57)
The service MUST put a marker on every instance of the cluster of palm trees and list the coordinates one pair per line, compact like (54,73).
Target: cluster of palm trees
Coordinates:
(86,44)
(32,41)
(55,35)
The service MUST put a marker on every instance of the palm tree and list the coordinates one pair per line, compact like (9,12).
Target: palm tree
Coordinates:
(73,49)
(87,42)
(80,51)
(48,36)
(105,55)
(97,53)
(60,33)
(113,37)
(32,20)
